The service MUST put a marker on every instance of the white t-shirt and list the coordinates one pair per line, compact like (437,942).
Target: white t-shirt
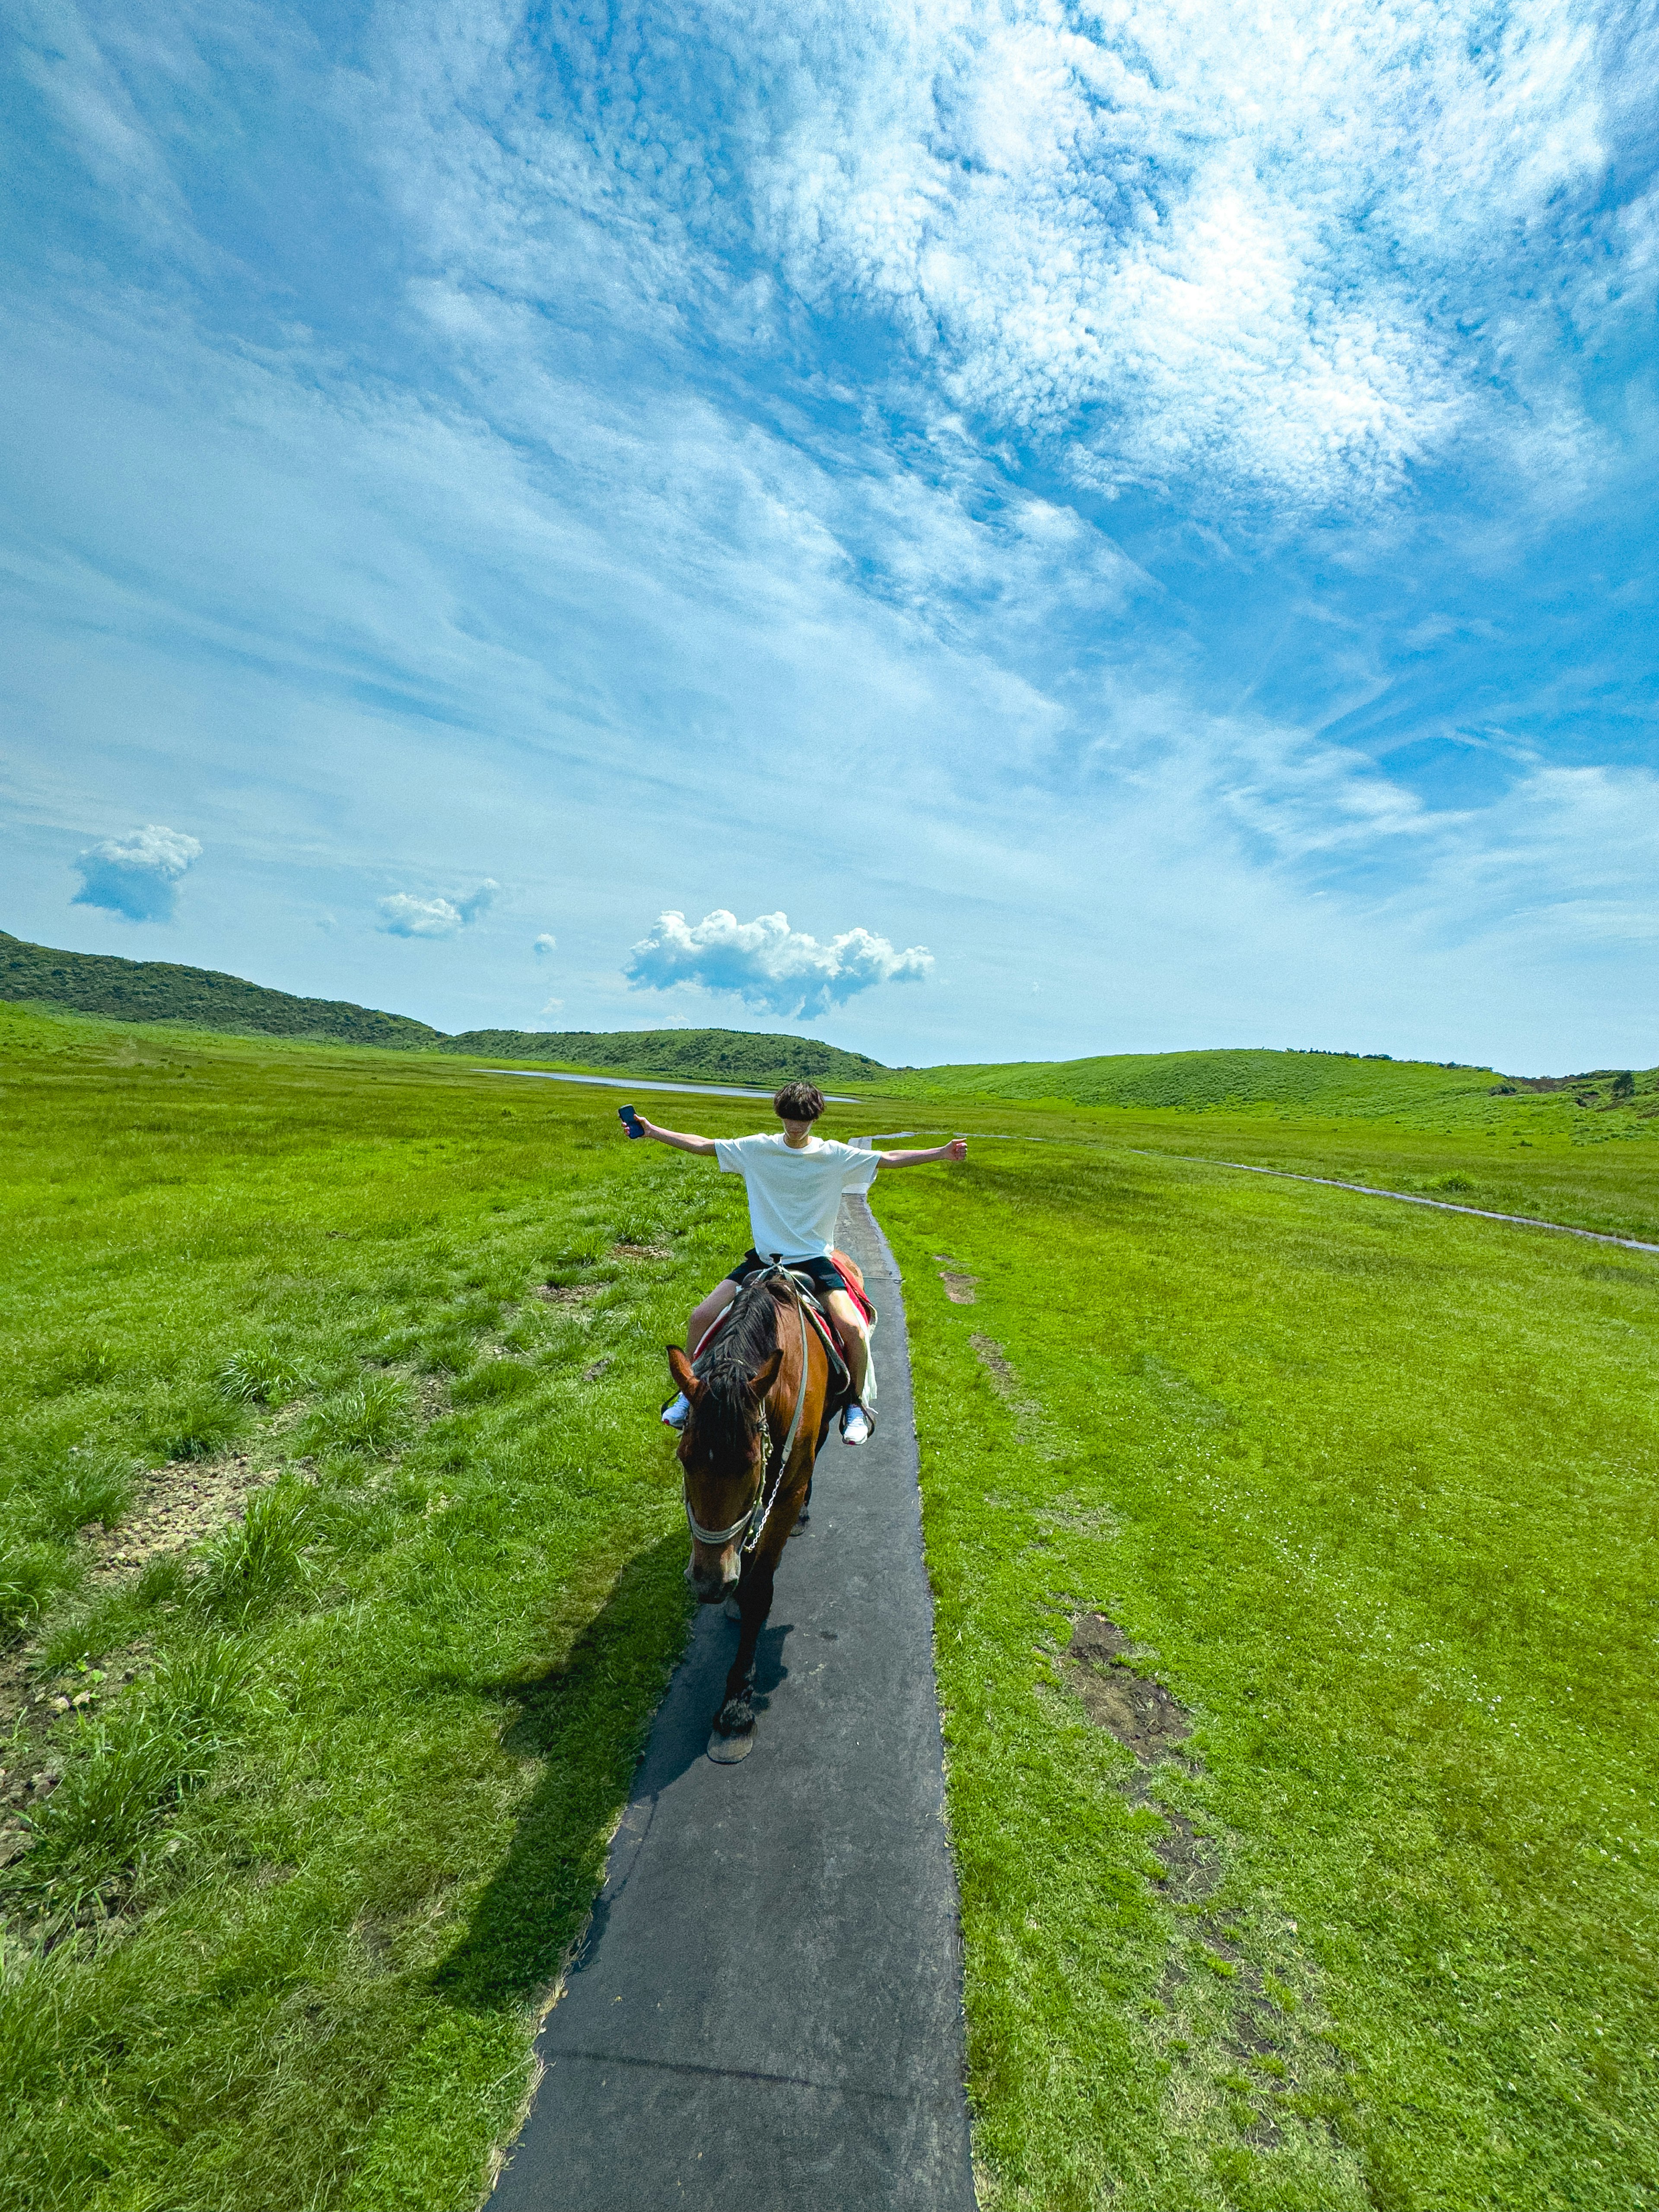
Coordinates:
(795,1195)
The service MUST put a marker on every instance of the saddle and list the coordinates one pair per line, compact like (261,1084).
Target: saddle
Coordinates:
(822,1321)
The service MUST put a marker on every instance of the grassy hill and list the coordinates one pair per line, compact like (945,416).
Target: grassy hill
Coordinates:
(161,991)
(203,998)
(1370,1086)
(713,1055)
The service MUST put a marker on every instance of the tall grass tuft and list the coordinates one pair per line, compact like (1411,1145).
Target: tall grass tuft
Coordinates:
(198,1690)
(90,1362)
(259,1376)
(118,1616)
(89,1484)
(122,1776)
(492,1379)
(370,1414)
(258,1560)
(193,1421)
(31,1576)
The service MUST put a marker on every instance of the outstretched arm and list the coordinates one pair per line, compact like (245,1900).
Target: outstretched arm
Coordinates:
(703,1147)
(956,1152)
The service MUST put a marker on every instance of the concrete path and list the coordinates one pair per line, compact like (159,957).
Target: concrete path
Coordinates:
(766,2011)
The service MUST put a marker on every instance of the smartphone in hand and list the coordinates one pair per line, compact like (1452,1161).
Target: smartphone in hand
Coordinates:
(630,1121)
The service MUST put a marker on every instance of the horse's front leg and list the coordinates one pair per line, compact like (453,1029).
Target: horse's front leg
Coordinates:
(736,1717)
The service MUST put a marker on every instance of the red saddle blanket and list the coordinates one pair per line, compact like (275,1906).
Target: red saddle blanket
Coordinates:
(852,1275)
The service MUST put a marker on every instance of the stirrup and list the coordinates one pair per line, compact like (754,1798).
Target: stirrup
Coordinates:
(868,1418)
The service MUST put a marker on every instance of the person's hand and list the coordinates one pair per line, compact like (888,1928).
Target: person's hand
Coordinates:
(956,1152)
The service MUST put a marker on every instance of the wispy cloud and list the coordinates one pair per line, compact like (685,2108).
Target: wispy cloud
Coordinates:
(1280,258)
(137,875)
(545,944)
(403,914)
(1096,457)
(767,964)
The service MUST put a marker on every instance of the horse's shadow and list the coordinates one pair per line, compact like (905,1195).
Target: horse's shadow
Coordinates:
(584,1723)
(680,1736)
(601,1731)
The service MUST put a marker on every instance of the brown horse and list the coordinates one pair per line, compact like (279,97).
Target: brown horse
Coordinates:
(762,1395)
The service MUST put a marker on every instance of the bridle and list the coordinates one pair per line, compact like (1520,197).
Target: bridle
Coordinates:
(759,1510)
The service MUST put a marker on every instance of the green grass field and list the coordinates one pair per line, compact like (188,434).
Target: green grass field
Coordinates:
(1366,1491)
(1370,1492)
(340,1786)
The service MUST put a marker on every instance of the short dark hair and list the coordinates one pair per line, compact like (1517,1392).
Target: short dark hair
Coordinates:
(798,1102)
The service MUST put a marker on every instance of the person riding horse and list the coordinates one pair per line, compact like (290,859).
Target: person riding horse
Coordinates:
(795,1182)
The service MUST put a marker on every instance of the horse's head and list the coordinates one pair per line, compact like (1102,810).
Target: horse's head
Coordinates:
(723,1450)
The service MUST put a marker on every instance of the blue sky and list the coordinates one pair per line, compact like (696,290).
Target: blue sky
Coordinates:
(976,532)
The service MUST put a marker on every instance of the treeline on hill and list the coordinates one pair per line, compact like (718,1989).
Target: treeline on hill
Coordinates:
(161,991)
(717,1055)
(203,998)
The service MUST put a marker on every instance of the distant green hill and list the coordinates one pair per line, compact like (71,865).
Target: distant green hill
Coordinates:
(1334,1083)
(1204,1078)
(1346,1083)
(161,991)
(203,998)
(713,1055)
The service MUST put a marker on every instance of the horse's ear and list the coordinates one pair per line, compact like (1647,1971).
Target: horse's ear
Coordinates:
(680,1368)
(764,1377)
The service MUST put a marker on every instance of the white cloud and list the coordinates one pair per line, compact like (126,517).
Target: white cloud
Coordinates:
(767,964)
(405,915)
(1201,245)
(137,875)
(1276,258)
(545,944)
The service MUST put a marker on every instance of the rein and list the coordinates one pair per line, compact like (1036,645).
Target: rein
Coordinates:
(767,1496)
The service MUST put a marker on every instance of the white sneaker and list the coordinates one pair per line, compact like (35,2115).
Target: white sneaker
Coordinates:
(675,1411)
(856,1426)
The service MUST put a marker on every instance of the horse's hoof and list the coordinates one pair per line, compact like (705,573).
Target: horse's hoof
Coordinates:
(801,1520)
(733,1610)
(727,1750)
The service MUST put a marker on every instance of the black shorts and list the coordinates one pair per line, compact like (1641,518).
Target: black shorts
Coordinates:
(824,1273)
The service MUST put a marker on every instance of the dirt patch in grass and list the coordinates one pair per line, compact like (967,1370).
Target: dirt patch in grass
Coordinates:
(570,1294)
(640,1252)
(179,1506)
(1240,2057)
(1097,1639)
(960,1290)
(1257,2031)
(993,1358)
(1191,1863)
(1143,1717)
(30,1709)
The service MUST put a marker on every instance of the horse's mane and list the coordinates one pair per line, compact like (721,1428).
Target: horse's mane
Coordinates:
(726,1416)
